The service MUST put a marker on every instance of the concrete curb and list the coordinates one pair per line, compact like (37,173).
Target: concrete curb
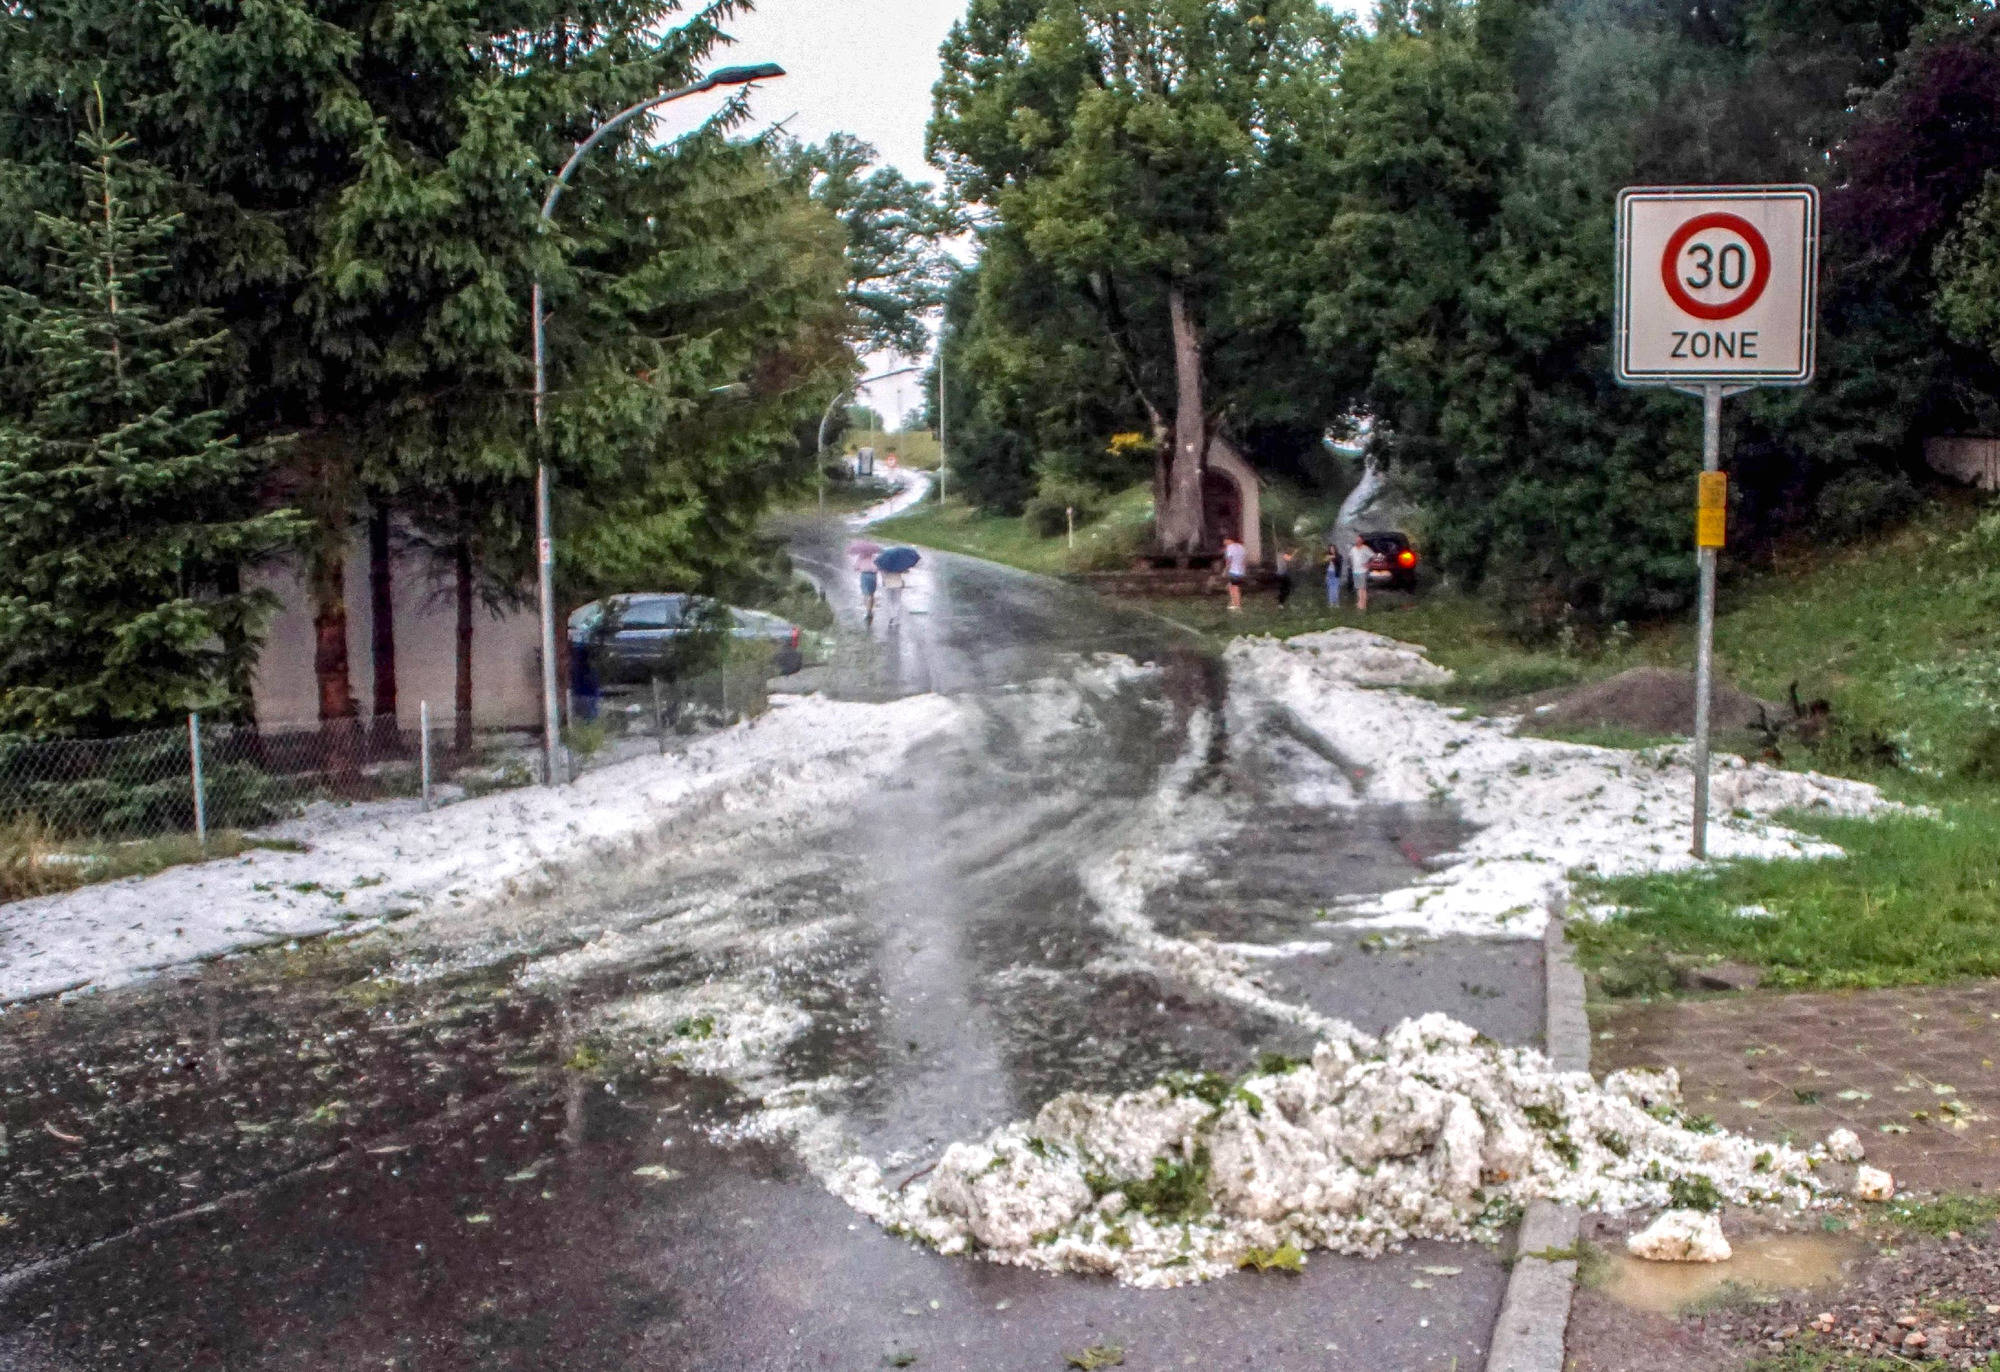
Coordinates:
(1534,1314)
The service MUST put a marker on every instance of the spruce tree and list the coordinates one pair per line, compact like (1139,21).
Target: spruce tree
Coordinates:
(126,513)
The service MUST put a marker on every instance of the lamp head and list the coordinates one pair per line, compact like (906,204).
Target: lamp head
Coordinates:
(743,76)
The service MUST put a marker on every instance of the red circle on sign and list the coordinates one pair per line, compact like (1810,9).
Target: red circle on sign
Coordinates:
(1760,274)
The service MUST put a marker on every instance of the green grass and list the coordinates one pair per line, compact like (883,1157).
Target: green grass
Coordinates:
(1944,1215)
(916,448)
(1898,633)
(1915,900)
(955,527)
(842,497)
(1455,631)
(958,528)
(1808,1356)
(32,864)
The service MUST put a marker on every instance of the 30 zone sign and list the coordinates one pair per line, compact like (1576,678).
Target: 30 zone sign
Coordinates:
(1717,284)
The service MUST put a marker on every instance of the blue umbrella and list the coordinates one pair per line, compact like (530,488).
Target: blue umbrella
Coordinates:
(897,559)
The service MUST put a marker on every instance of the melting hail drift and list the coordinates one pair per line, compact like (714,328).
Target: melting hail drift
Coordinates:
(1429,1132)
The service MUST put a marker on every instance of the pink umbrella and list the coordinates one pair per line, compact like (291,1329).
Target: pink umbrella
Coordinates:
(862,548)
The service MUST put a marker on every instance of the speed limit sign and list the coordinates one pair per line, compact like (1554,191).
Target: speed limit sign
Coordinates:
(1717,284)
(1717,293)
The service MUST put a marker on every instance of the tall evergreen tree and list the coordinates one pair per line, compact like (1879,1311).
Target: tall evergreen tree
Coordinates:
(126,512)
(361,181)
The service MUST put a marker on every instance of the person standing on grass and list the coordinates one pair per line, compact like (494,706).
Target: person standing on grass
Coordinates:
(1359,559)
(1236,566)
(1284,576)
(1336,571)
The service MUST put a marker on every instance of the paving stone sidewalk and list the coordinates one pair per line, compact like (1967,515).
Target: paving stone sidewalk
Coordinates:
(1914,1071)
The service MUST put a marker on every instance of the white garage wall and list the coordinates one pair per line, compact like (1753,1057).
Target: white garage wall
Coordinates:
(506,657)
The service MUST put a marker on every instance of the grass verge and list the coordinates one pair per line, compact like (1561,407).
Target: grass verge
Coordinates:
(954,527)
(1890,631)
(1944,1215)
(1110,540)
(839,497)
(1809,1358)
(1914,901)
(33,864)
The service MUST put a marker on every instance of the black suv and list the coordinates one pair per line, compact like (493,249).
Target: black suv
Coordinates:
(1395,565)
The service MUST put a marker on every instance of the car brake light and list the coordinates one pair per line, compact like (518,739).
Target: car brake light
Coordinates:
(1406,558)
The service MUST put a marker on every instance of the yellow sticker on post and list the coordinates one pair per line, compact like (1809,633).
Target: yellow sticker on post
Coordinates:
(1711,510)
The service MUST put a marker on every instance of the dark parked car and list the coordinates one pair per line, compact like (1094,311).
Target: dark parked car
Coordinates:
(1395,564)
(634,637)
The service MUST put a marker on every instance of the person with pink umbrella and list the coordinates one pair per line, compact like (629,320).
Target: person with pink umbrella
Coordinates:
(863,552)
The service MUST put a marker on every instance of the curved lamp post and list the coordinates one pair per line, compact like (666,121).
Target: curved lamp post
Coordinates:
(545,553)
(827,419)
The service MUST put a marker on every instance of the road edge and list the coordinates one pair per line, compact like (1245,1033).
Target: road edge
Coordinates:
(1529,1333)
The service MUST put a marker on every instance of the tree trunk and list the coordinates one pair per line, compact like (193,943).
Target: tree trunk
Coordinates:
(382,624)
(328,578)
(326,484)
(462,688)
(1180,522)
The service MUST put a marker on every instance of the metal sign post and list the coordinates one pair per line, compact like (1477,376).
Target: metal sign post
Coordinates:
(1717,294)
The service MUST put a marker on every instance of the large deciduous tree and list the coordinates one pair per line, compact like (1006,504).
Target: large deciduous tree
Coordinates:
(1155,159)
(897,265)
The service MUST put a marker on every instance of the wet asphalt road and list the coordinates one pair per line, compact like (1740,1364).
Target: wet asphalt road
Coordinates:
(409,1151)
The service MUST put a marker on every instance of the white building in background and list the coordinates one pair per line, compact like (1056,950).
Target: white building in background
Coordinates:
(506,653)
(1971,459)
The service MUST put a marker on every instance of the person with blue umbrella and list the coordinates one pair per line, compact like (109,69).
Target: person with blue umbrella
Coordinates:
(895,564)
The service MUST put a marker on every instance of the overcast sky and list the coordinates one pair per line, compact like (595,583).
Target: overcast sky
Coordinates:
(864,67)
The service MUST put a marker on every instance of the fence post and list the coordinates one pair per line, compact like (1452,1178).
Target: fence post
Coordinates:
(424,750)
(200,788)
(659,720)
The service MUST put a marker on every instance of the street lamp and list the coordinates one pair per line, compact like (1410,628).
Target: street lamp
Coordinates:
(545,552)
(944,462)
(827,418)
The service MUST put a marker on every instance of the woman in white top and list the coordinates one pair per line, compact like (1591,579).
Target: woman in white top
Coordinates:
(1236,564)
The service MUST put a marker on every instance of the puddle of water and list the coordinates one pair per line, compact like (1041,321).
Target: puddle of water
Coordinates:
(1780,1262)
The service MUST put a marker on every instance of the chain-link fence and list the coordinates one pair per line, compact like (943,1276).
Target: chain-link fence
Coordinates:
(626,719)
(77,810)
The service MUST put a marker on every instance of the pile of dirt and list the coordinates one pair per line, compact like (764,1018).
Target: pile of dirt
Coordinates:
(1647,700)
